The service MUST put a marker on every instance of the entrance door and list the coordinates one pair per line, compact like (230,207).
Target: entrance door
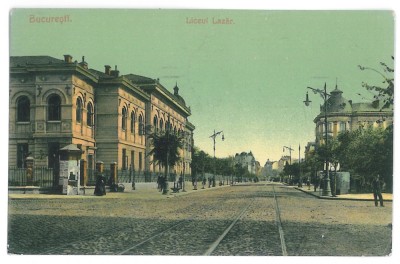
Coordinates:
(53,161)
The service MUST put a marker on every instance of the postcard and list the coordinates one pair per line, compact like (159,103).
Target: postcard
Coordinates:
(189,132)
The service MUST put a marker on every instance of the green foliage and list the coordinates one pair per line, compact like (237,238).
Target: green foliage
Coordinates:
(204,163)
(385,93)
(166,147)
(369,152)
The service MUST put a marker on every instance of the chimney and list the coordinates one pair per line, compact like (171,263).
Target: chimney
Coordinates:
(107,69)
(115,73)
(68,58)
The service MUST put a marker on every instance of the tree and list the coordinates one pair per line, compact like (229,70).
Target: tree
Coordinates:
(200,162)
(165,151)
(385,93)
(366,153)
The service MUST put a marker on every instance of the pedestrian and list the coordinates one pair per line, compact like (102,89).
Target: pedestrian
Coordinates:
(308,183)
(204,182)
(100,188)
(376,188)
(159,183)
(316,184)
(180,182)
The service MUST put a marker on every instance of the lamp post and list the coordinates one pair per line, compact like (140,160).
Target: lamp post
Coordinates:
(290,157)
(213,136)
(326,190)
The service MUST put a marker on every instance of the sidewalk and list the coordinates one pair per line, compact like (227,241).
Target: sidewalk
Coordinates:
(387,197)
(144,190)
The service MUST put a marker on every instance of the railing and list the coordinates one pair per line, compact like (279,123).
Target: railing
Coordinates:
(42,177)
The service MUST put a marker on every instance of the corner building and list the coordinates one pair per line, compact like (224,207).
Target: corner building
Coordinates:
(56,102)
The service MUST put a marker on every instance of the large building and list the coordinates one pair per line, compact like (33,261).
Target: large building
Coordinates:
(57,102)
(344,115)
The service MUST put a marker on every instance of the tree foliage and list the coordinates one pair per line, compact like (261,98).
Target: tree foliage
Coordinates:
(363,152)
(386,91)
(166,148)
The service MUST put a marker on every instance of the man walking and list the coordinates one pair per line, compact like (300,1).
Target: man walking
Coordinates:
(376,188)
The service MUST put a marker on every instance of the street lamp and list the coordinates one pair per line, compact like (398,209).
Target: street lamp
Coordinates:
(326,190)
(290,157)
(213,136)
(290,153)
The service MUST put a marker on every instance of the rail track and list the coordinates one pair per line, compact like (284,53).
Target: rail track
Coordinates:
(235,234)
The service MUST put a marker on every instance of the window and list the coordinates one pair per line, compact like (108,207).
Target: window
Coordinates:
(52,156)
(22,154)
(342,126)
(132,159)
(140,161)
(23,109)
(141,125)
(124,159)
(90,115)
(123,118)
(133,122)
(79,110)
(54,108)
(161,124)
(155,124)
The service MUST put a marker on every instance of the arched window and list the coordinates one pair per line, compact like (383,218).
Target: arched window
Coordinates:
(54,108)
(133,120)
(141,125)
(90,115)
(124,116)
(23,109)
(161,124)
(155,124)
(79,110)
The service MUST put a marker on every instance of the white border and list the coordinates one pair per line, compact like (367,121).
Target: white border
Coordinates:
(5,7)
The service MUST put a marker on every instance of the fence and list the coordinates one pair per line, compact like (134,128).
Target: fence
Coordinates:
(42,177)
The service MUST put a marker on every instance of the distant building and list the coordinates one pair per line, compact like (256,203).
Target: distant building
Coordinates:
(247,160)
(282,162)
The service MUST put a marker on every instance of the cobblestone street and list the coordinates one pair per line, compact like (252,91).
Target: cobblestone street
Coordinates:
(245,220)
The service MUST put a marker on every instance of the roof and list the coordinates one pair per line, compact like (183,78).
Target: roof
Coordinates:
(138,79)
(20,61)
(337,103)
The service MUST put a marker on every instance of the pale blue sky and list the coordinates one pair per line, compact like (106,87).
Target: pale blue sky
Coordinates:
(248,78)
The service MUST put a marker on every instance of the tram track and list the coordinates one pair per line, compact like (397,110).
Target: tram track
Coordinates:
(196,234)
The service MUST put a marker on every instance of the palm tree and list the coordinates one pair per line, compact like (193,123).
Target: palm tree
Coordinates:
(165,151)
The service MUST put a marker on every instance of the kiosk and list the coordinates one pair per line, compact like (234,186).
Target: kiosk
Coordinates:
(69,169)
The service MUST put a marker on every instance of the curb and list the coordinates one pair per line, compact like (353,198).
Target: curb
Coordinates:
(340,198)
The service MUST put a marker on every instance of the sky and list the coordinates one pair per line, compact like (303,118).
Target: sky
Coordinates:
(247,78)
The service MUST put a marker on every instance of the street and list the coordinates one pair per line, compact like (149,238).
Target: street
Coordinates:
(241,220)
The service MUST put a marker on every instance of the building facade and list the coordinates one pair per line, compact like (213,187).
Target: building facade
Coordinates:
(247,160)
(57,102)
(344,115)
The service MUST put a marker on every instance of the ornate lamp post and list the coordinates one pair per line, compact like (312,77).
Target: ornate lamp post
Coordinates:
(213,136)
(326,190)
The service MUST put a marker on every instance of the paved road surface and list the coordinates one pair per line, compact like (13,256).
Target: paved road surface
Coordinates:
(255,220)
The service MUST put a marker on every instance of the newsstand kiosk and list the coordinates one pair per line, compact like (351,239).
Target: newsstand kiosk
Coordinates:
(70,157)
